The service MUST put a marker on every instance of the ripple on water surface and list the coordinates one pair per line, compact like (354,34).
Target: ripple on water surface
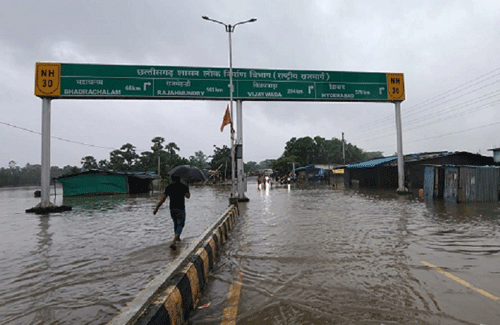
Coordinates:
(84,266)
(323,256)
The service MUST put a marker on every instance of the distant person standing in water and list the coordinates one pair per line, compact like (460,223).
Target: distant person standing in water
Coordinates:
(177,192)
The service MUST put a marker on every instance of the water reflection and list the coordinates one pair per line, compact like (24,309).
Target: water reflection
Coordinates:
(321,255)
(84,265)
(43,265)
(464,212)
(309,255)
(95,202)
(44,238)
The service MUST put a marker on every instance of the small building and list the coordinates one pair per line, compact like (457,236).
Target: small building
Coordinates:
(496,155)
(415,164)
(336,177)
(380,172)
(310,173)
(383,172)
(462,183)
(96,182)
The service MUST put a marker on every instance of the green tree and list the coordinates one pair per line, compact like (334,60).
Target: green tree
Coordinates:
(251,166)
(148,162)
(171,148)
(373,155)
(157,144)
(116,160)
(123,159)
(172,158)
(166,154)
(307,151)
(103,164)
(88,162)
(149,159)
(283,165)
(199,160)
(129,156)
(222,158)
(67,170)
(353,154)
(266,164)
(304,149)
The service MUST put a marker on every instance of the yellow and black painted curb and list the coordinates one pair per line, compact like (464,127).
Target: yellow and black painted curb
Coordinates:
(181,296)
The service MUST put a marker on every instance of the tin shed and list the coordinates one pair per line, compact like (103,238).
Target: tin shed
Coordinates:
(462,183)
(478,183)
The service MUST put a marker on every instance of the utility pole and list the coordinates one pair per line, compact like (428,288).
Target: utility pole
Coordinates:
(159,175)
(343,147)
(234,187)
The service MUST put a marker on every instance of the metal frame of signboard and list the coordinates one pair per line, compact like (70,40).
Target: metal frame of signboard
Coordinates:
(99,81)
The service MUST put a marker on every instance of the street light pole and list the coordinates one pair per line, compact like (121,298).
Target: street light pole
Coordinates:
(229,30)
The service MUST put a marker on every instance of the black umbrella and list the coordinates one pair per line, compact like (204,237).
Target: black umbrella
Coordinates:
(188,173)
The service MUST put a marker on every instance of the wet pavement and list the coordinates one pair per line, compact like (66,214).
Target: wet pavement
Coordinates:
(314,255)
(320,255)
(85,265)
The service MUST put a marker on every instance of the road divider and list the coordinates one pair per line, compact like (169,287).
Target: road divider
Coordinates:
(172,295)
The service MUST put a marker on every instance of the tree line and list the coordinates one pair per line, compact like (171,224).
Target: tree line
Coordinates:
(306,151)
(299,151)
(163,155)
(29,174)
(162,158)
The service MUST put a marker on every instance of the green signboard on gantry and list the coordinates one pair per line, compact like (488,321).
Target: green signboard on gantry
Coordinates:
(97,81)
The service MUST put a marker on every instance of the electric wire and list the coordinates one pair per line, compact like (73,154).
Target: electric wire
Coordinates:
(436,100)
(65,140)
(384,127)
(425,123)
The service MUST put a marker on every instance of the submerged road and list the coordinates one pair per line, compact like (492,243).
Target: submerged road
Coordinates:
(320,255)
(314,255)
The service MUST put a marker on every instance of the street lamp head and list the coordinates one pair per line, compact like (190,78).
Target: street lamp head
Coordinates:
(252,20)
(205,17)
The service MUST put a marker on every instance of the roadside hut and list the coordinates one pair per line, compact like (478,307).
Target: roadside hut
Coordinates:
(415,164)
(383,172)
(380,172)
(496,155)
(310,173)
(95,182)
(462,183)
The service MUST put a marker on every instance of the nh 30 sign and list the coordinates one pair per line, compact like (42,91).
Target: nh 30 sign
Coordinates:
(96,81)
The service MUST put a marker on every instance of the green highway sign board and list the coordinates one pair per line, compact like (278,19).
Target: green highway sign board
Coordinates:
(97,81)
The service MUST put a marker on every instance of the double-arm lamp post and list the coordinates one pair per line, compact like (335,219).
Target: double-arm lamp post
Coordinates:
(229,30)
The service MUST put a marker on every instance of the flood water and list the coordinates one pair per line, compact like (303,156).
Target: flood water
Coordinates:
(84,266)
(314,255)
(319,255)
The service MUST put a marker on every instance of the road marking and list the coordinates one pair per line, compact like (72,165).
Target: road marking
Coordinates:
(462,282)
(233,299)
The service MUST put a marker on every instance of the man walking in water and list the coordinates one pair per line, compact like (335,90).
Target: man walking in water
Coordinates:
(177,192)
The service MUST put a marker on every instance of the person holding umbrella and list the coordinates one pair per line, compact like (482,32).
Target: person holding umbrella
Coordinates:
(177,192)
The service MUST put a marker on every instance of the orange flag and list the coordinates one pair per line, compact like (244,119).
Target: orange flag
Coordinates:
(226,120)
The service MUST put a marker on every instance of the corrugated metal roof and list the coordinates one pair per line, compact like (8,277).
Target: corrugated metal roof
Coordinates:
(426,155)
(148,175)
(308,167)
(372,163)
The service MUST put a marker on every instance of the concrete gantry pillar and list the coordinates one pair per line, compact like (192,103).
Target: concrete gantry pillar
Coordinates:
(401,166)
(45,172)
(240,168)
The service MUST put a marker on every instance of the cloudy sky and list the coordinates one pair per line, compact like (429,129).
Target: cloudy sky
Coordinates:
(447,50)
